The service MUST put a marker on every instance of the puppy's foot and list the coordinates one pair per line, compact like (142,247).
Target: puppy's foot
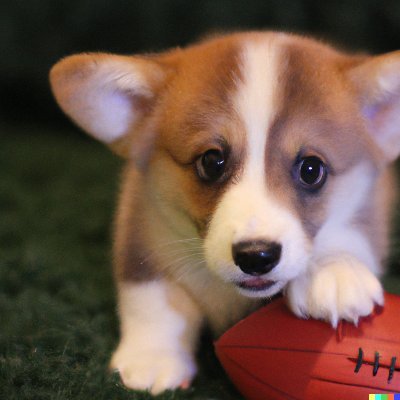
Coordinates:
(153,370)
(343,289)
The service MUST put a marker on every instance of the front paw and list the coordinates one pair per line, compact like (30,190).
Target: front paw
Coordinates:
(153,370)
(342,289)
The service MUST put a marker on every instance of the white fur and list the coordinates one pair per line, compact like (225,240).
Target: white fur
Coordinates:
(109,114)
(99,93)
(255,100)
(156,347)
(337,235)
(247,211)
(342,288)
(386,129)
(340,282)
(383,101)
(109,107)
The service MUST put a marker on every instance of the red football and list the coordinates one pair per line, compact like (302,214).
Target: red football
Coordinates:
(273,355)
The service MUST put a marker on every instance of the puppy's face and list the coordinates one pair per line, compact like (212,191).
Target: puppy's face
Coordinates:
(256,141)
(262,153)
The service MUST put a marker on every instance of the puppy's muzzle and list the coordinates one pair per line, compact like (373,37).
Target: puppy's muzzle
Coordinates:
(256,257)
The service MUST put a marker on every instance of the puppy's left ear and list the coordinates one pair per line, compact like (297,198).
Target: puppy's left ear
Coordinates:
(377,84)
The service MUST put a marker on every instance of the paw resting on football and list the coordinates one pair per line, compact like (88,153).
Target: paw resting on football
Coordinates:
(342,289)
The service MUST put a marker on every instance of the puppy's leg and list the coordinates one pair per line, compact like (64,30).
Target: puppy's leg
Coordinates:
(160,324)
(341,282)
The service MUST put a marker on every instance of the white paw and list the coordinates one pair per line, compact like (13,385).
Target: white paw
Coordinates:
(343,289)
(153,370)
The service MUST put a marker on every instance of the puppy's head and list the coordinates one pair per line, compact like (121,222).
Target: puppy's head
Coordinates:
(254,141)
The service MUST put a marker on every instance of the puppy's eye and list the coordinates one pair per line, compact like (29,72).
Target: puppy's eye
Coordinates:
(211,165)
(312,172)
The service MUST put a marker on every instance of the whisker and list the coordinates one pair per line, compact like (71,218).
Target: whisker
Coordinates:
(186,257)
(171,242)
(178,252)
(158,250)
(190,271)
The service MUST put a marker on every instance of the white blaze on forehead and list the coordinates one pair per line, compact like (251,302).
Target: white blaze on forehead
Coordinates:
(247,210)
(256,106)
(256,97)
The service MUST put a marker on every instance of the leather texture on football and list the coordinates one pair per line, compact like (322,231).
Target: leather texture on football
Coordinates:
(273,355)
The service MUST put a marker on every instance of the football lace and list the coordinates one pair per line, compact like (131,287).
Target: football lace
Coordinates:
(360,362)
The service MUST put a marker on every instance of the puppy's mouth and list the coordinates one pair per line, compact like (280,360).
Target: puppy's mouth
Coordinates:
(255,284)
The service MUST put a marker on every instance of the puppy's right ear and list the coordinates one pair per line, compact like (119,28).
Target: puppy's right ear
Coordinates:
(376,82)
(107,95)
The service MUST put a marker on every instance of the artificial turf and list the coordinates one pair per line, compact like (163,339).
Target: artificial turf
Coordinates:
(57,308)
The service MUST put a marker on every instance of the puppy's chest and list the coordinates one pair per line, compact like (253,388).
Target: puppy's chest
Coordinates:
(220,302)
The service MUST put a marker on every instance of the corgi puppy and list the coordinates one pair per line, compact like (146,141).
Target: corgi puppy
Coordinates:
(256,163)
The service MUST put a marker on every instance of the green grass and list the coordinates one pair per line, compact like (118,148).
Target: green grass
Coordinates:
(57,308)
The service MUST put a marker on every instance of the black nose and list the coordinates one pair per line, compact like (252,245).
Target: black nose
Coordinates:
(256,257)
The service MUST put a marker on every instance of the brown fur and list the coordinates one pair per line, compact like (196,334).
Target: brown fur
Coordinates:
(184,131)
(181,103)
